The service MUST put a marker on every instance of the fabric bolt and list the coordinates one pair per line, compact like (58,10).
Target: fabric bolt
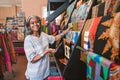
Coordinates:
(33,46)
(84,38)
(101,8)
(99,44)
(80,25)
(93,29)
(12,49)
(95,11)
(108,37)
(111,7)
(115,72)
(14,35)
(75,26)
(85,32)
(75,35)
(80,15)
(7,56)
(101,66)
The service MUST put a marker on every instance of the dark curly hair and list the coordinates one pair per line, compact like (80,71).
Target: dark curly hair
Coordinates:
(28,24)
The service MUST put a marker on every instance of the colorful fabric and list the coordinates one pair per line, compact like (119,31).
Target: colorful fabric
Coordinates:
(101,8)
(80,25)
(75,26)
(115,72)
(12,49)
(92,31)
(107,36)
(95,11)
(111,6)
(98,67)
(7,56)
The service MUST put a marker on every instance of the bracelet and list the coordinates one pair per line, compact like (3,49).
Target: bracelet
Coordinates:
(61,34)
(42,54)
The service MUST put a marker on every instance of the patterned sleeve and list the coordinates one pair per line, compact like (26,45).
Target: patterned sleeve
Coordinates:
(29,49)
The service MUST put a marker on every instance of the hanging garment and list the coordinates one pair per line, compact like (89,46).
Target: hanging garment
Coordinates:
(101,8)
(74,26)
(95,11)
(7,56)
(92,31)
(85,39)
(1,65)
(111,7)
(12,49)
(80,25)
(98,67)
(100,43)
(107,38)
(115,72)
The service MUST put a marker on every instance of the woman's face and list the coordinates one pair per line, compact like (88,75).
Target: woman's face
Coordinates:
(34,24)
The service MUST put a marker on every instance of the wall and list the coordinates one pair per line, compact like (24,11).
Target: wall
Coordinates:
(7,11)
(33,7)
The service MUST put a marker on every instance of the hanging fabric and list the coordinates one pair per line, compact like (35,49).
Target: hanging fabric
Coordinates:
(98,67)
(12,49)
(7,56)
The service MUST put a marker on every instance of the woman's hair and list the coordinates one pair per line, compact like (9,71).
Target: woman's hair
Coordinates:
(28,24)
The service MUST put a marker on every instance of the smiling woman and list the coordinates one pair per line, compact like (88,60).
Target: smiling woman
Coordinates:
(36,46)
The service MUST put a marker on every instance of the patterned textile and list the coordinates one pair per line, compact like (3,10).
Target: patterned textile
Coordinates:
(73,36)
(84,39)
(107,38)
(12,49)
(111,7)
(92,31)
(67,48)
(80,25)
(81,12)
(97,67)
(95,11)
(115,72)
(75,26)
(99,44)
(85,34)
(101,9)
(7,56)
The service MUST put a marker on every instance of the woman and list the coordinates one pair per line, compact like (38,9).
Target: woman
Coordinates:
(36,46)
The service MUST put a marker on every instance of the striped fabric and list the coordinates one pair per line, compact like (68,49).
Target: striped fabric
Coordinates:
(98,67)
(7,56)
(12,49)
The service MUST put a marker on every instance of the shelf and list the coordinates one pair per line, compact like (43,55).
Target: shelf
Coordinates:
(18,40)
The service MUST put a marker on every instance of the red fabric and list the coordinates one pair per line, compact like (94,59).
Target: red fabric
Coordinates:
(94,27)
(7,56)
(55,78)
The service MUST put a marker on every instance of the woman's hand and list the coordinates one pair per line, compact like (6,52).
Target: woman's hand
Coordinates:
(67,30)
(50,50)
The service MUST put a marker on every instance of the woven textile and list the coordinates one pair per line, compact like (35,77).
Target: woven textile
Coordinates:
(107,38)
(111,6)
(12,49)
(115,72)
(7,56)
(95,11)
(97,67)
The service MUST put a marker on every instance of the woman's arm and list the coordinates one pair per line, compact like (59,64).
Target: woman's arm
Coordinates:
(39,56)
(59,36)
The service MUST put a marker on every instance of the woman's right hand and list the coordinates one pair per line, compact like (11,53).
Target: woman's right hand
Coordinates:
(50,50)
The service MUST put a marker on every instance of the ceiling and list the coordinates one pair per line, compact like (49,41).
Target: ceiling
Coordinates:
(10,2)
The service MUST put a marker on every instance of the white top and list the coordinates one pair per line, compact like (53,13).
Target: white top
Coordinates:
(33,46)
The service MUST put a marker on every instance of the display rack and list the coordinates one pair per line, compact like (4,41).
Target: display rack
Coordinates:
(71,66)
(16,27)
